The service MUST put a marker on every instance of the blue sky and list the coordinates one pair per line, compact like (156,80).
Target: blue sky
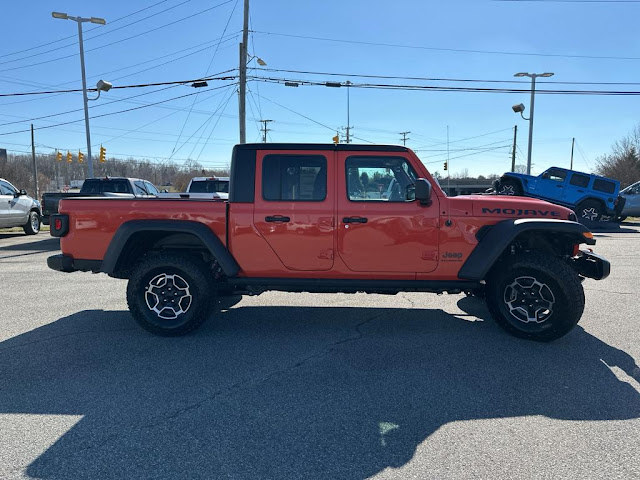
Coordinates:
(476,40)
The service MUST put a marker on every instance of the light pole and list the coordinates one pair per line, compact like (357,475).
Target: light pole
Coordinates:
(520,109)
(105,85)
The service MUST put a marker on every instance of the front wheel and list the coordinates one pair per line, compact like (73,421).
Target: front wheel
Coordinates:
(537,297)
(170,294)
(32,226)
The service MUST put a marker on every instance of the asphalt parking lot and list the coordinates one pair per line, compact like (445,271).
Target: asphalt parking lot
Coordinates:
(312,386)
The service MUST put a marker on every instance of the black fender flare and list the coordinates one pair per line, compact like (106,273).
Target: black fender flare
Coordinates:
(226,261)
(499,236)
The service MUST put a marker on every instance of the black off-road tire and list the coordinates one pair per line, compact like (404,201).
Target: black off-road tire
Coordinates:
(589,211)
(162,277)
(553,280)
(509,187)
(32,227)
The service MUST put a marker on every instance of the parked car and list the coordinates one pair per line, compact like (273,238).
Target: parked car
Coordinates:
(591,197)
(294,222)
(219,185)
(99,187)
(17,209)
(631,207)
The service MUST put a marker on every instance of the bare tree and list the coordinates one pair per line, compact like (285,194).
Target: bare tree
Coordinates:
(623,163)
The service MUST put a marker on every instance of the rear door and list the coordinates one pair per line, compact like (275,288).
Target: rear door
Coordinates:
(381,228)
(577,188)
(295,206)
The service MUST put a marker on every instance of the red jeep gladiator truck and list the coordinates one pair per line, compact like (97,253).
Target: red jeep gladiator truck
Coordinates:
(333,218)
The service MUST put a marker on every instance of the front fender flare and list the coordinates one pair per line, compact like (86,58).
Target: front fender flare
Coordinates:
(493,244)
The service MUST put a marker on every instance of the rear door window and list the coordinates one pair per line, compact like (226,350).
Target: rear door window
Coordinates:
(579,180)
(288,178)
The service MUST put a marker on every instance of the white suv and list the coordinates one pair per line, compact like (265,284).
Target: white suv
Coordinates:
(17,209)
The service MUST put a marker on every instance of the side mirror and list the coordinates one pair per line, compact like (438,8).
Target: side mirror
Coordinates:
(19,193)
(423,191)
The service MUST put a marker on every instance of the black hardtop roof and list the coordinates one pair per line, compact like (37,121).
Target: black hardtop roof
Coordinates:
(349,147)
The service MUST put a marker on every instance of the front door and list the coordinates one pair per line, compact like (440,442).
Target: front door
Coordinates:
(381,227)
(551,184)
(295,207)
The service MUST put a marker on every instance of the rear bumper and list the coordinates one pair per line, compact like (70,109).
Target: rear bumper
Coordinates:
(591,265)
(65,263)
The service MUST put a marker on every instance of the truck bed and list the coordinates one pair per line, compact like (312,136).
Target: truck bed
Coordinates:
(94,221)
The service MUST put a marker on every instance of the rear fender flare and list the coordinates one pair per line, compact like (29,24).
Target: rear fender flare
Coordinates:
(202,232)
(493,244)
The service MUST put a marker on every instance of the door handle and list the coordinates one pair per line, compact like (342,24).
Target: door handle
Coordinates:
(277,218)
(354,220)
(560,186)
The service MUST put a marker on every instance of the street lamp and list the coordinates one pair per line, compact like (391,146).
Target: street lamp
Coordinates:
(102,86)
(520,108)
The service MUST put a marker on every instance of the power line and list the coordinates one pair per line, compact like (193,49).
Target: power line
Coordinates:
(138,85)
(382,86)
(205,74)
(431,79)
(108,32)
(123,39)
(112,113)
(111,22)
(457,50)
(297,113)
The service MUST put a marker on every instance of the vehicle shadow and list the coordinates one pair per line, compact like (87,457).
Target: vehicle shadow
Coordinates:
(610,227)
(292,392)
(44,244)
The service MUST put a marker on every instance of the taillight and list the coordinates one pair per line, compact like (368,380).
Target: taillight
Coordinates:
(59,225)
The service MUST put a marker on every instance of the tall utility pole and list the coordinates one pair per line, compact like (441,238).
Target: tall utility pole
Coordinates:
(404,138)
(513,153)
(35,167)
(264,130)
(242,67)
(348,83)
(573,142)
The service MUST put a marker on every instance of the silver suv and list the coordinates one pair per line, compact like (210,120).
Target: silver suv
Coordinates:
(17,209)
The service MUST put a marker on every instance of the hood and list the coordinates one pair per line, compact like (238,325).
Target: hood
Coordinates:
(503,206)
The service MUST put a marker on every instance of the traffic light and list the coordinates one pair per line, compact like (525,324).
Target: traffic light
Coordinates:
(59,156)
(446,165)
(80,157)
(69,157)
(103,152)
(336,139)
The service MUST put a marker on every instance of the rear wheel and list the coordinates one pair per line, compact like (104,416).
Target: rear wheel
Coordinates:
(537,297)
(170,294)
(33,223)
(589,210)
(509,187)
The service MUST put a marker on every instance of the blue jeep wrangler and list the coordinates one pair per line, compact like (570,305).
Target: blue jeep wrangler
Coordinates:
(590,196)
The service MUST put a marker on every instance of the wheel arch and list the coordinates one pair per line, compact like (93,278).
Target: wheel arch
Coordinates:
(531,234)
(135,238)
